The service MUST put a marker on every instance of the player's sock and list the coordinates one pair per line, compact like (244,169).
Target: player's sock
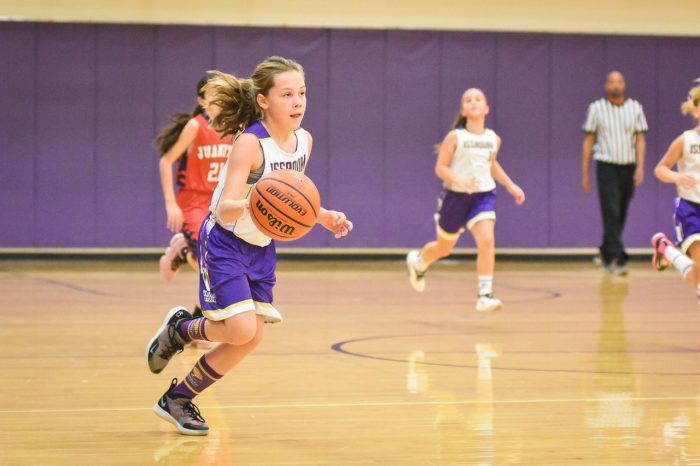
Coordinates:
(200,377)
(421,266)
(680,261)
(193,329)
(485,285)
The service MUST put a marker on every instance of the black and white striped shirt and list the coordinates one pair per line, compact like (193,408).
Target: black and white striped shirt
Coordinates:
(615,127)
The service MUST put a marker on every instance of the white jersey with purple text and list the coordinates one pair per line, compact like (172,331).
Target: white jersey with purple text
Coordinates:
(274,159)
(689,163)
(473,157)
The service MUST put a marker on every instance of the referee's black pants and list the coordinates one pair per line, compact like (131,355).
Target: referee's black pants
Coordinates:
(615,190)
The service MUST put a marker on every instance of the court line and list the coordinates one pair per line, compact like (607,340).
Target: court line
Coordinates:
(340,347)
(64,284)
(364,404)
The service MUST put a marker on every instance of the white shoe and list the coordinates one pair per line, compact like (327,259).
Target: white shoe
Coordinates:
(415,278)
(488,303)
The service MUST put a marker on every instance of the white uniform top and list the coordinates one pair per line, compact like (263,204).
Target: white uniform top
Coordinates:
(473,157)
(274,158)
(689,163)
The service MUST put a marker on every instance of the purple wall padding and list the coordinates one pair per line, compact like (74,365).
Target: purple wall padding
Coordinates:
(18,144)
(82,103)
(65,177)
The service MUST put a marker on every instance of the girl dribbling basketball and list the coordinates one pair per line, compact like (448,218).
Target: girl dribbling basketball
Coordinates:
(469,170)
(237,261)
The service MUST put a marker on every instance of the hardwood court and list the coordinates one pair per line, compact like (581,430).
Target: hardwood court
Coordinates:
(577,369)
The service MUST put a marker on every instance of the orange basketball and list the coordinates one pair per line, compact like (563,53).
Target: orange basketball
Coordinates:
(284,204)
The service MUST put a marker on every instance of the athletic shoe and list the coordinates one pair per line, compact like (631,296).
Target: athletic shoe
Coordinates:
(621,270)
(487,303)
(660,242)
(415,278)
(175,255)
(167,340)
(181,412)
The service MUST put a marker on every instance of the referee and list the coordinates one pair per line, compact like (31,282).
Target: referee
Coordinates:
(614,137)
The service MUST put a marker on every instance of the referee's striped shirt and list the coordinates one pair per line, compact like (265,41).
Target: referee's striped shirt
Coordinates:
(615,127)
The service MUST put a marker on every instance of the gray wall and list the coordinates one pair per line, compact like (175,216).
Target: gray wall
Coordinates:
(81,104)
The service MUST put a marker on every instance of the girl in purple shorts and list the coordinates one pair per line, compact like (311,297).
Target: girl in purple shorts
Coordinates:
(467,165)
(684,152)
(237,262)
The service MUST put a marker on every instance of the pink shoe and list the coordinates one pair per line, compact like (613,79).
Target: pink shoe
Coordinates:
(660,242)
(175,255)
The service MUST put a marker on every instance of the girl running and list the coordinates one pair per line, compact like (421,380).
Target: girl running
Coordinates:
(237,262)
(201,153)
(684,152)
(468,168)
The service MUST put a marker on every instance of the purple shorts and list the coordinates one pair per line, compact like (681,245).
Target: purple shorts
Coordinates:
(457,211)
(235,276)
(687,220)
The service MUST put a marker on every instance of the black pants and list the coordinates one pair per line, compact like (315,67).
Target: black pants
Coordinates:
(615,190)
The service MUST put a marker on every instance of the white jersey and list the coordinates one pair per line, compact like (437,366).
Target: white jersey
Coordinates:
(473,157)
(274,158)
(689,163)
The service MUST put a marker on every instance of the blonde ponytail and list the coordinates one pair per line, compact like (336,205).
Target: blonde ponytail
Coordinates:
(692,102)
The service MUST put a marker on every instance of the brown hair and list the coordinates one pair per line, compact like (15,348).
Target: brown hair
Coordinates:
(167,137)
(238,97)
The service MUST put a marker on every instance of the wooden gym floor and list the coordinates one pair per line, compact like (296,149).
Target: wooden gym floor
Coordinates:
(577,369)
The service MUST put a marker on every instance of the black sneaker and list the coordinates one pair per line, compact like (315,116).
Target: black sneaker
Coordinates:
(167,341)
(181,412)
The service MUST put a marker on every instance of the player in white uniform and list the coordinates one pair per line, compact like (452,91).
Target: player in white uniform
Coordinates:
(684,152)
(236,261)
(467,165)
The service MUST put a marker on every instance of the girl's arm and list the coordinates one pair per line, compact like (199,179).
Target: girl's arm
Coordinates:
(245,157)
(332,220)
(500,175)
(184,141)
(442,165)
(663,170)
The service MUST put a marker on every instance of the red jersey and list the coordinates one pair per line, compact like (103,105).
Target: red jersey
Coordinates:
(199,169)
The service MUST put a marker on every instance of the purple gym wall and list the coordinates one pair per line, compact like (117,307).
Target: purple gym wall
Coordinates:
(81,104)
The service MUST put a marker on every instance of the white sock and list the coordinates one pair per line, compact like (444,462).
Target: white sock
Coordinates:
(485,284)
(680,261)
(420,265)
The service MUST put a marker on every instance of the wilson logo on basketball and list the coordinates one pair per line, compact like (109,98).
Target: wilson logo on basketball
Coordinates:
(273,221)
(287,200)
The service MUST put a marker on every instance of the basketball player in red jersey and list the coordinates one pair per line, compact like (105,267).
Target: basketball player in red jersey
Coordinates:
(201,153)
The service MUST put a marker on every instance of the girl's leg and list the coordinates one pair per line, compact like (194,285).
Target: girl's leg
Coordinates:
(434,251)
(483,232)
(693,276)
(419,261)
(176,404)
(217,362)
(226,356)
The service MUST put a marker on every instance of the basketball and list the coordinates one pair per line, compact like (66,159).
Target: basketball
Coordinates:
(284,205)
